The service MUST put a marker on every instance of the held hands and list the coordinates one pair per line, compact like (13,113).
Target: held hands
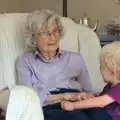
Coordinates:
(70,98)
(84,96)
(76,96)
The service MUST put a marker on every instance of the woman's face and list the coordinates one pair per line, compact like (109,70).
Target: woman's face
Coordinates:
(48,40)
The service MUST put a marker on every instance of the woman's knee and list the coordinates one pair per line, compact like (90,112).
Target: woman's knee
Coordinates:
(98,114)
(66,115)
(76,115)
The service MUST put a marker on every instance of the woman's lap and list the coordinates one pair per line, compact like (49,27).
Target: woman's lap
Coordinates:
(67,115)
(54,112)
(97,114)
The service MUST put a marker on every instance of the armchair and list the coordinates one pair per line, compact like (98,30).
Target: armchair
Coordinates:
(77,38)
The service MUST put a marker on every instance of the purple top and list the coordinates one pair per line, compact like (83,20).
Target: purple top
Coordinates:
(65,70)
(113,108)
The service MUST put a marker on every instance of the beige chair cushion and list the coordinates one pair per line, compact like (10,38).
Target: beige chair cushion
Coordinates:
(90,50)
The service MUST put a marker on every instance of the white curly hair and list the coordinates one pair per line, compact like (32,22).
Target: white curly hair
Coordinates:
(38,21)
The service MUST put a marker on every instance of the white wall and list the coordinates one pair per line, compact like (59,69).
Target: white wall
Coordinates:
(30,5)
(9,6)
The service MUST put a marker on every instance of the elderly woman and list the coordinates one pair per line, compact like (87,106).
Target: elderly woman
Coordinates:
(55,74)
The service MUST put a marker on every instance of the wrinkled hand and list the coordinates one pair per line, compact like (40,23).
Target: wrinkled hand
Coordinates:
(76,96)
(70,96)
(84,96)
(66,105)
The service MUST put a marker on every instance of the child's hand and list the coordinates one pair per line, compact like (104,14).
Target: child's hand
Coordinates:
(66,105)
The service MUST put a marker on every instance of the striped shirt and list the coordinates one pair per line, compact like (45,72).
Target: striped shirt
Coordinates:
(114,108)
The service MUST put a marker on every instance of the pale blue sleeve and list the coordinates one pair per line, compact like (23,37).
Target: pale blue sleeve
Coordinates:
(25,78)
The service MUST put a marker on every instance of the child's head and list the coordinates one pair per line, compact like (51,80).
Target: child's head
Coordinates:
(110,62)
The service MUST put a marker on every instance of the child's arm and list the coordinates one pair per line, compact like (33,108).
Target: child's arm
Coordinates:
(89,103)
(93,102)
(113,95)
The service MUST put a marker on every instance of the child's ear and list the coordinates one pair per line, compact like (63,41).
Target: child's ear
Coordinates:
(115,71)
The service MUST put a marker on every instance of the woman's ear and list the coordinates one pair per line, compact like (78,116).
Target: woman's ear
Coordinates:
(33,39)
(34,42)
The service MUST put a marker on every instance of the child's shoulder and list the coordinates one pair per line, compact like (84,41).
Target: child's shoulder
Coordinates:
(117,86)
(107,86)
(114,93)
(106,89)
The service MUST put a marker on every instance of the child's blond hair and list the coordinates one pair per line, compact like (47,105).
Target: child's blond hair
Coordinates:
(110,54)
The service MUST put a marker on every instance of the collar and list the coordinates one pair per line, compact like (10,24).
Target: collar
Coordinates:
(59,54)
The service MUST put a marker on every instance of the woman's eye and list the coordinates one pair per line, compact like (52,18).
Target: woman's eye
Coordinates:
(46,33)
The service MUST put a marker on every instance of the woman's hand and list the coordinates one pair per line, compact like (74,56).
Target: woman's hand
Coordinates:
(70,96)
(67,105)
(76,96)
(73,96)
(84,96)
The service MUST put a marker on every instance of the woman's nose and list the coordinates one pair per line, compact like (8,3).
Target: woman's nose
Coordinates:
(53,37)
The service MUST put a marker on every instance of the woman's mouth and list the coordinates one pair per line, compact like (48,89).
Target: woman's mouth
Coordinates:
(52,44)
